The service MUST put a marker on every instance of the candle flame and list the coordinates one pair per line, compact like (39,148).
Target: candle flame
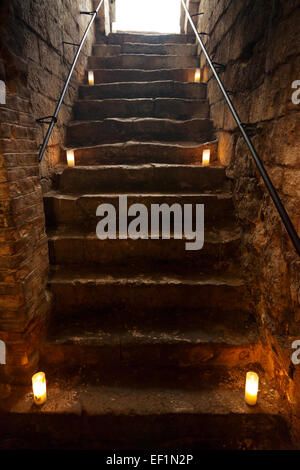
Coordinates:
(39,388)
(70,158)
(91,78)
(251,388)
(197,75)
(206,157)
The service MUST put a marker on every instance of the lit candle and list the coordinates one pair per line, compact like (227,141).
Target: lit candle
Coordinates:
(70,158)
(197,75)
(206,157)
(91,78)
(251,388)
(39,388)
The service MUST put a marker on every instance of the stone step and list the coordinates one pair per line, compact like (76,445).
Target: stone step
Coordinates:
(65,209)
(143,61)
(82,133)
(160,49)
(106,348)
(103,50)
(136,153)
(121,38)
(115,416)
(164,89)
(106,50)
(127,295)
(140,75)
(67,246)
(150,178)
(169,108)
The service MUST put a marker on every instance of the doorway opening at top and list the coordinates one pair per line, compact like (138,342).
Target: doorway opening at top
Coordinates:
(148,16)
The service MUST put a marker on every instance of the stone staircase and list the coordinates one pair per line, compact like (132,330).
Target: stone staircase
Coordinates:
(148,343)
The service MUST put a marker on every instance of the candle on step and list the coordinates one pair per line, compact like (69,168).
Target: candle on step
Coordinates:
(91,78)
(206,157)
(251,388)
(70,158)
(197,75)
(39,388)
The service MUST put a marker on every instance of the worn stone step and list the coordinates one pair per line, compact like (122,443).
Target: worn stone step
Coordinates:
(163,89)
(180,74)
(121,38)
(154,177)
(83,346)
(157,49)
(82,133)
(169,108)
(143,61)
(106,50)
(131,294)
(134,152)
(93,343)
(83,416)
(78,247)
(171,378)
(81,209)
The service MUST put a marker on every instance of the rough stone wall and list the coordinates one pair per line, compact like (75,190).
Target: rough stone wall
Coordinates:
(105,16)
(259,44)
(193,7)
(33,65)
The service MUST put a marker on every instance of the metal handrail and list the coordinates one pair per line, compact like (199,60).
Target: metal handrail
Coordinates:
(273,193)
(53,118)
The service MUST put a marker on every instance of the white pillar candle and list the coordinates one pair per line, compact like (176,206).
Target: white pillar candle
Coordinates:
(206,157)
(39,388)
(91,78)
(197,75)
(70,158)
(251,388)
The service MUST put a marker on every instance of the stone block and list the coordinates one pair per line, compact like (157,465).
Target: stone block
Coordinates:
(225,147)
(284,42)
(291,182)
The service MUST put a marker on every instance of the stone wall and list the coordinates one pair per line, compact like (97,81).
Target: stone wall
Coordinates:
(33,64)
(193,7)
(105,16)
(258,42)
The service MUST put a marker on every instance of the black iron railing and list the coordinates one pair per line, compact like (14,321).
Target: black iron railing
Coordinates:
(52,120)
(243,129)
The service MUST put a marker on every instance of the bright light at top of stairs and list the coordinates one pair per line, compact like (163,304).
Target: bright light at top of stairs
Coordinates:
(159,16)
